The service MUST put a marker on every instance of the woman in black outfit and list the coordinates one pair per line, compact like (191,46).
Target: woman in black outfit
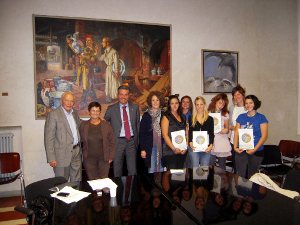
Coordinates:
(172,121)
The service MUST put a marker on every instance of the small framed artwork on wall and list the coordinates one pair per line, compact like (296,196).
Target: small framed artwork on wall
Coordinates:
(219,71)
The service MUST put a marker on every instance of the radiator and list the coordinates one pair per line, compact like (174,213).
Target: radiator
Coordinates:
(6,145)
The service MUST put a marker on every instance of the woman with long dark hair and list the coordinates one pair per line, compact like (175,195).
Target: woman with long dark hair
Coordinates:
(173,120)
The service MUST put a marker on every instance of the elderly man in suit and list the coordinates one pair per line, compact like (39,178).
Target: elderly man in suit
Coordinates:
(124,118)
(62,140)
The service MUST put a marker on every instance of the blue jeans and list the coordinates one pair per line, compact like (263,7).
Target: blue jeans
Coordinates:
(196,157)
(154,167)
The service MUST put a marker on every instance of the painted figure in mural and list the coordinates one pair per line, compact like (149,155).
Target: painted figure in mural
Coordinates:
(113,80)
(86,69)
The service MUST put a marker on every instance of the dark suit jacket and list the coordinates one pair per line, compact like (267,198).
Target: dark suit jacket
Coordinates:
(113,116)
(58,137)
(109,148)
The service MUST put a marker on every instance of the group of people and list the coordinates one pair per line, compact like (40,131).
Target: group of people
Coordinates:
(103,140)
(120,132)
(158,149)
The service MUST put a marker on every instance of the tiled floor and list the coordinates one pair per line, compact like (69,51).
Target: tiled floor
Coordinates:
(7,214)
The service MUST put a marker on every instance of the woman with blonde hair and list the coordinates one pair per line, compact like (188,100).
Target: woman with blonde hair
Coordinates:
(201,121)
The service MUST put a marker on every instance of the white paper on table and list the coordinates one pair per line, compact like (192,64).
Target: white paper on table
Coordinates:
(217,122)
(179,139)
(200,140)
(103,183)
(74,195)
(246,140)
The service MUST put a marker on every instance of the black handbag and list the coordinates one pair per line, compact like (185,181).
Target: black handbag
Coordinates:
(42,207)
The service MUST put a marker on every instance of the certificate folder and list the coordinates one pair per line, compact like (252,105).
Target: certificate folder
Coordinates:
(246,140)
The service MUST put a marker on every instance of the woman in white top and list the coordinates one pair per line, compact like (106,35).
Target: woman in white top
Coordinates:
(238,98)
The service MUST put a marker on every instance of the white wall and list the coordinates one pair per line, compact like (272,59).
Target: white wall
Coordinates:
(264,32)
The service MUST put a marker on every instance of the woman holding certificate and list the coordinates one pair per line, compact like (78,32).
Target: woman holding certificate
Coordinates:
(174,132)
(221,147)
(201,134)
(249,126)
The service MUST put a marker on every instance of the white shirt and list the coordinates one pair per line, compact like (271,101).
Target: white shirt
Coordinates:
(235,114)
(72,125)
(122,132)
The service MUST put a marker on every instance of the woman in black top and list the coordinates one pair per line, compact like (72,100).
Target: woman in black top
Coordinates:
(201,121)
(173,120)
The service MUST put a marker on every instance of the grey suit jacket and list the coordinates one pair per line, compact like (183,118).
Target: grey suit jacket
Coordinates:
(113,116)
(58,138)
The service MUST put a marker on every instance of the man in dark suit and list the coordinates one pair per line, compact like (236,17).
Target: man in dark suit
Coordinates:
(62,140)
(124,118)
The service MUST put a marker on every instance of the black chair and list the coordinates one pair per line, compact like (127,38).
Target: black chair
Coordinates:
(292,181)
(38,188)
(272,164)
(11,170)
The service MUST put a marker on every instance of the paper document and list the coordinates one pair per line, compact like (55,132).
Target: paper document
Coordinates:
(74,195)
(200,140)
(246,140)
(179,139)
(102,183)
(217,122)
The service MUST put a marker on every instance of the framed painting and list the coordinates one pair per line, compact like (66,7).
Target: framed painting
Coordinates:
(92,58)
(220,71)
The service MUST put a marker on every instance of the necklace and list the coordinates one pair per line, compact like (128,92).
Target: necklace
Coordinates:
(95,125)
(251,115)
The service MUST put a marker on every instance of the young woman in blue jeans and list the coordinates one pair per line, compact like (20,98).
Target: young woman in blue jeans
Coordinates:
(250,159)
(200,121)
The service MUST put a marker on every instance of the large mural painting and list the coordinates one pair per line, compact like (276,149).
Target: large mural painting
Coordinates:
(92,58)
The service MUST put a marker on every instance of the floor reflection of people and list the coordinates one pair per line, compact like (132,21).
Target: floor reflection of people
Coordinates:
(200,195)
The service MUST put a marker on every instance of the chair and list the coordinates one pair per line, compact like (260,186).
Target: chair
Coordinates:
(272,163)
(292,181)
(290,151)
(38,188)
(11,170)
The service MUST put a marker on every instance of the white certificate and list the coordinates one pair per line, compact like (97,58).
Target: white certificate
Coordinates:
(200,140)
(217,122)
(179,139)
(246,140)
